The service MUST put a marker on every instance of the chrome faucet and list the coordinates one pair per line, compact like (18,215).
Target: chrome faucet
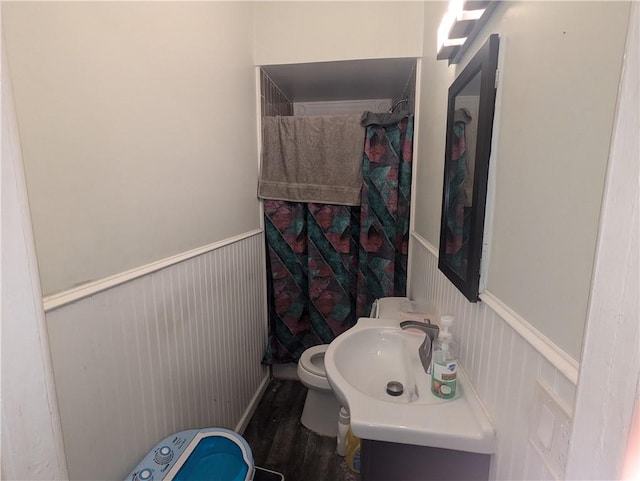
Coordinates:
(431,331)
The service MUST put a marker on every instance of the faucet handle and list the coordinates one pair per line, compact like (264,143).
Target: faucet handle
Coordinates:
(424,351)
(429,329)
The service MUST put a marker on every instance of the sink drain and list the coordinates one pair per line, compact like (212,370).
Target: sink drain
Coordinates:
(394,388)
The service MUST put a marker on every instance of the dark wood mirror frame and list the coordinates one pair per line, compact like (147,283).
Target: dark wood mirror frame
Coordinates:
(462,222)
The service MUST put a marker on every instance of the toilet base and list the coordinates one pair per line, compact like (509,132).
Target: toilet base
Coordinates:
(320,413)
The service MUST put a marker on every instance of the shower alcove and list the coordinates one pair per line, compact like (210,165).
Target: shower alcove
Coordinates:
(340,87)
(326,88)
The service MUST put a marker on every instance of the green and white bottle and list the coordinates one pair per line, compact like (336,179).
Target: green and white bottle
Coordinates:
(444,369)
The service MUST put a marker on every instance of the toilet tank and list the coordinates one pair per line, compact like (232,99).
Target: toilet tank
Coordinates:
(403,308)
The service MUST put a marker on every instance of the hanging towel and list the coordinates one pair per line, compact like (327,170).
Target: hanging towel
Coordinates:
(383,119)
(312,159)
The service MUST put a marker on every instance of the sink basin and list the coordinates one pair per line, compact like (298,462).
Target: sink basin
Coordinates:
(370,357)
(363,360)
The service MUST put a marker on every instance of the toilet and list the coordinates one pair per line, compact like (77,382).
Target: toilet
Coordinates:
(321,407)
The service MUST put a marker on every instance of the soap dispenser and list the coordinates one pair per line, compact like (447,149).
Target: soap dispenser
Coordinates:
(445,361)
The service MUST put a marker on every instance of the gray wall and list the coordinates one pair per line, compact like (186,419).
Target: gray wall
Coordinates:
(559,71)
(138,127)
(300,32)
(138,120)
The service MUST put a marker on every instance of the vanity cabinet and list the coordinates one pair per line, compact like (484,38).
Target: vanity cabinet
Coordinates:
(385,461)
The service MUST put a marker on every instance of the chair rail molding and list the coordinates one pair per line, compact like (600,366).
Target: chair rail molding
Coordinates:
(547,348)
(60,299)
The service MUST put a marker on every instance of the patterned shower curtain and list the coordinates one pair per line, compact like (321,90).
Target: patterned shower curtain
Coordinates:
(458,221)
(327,263)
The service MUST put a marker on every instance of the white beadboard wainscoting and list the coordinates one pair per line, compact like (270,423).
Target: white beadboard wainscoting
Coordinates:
(176,348)
(501,363)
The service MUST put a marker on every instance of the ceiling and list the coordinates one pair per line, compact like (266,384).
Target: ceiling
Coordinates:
(346,80)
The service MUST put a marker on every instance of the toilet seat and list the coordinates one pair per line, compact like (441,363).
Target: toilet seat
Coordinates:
(313,360)
(311,369)
(321,407)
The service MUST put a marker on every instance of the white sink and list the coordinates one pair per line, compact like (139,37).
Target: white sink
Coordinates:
(360,363)
(371,356)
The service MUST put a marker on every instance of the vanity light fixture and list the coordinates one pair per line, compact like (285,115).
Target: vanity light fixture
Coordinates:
(460,25)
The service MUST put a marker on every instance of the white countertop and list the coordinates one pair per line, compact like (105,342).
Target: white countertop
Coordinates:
(460,423)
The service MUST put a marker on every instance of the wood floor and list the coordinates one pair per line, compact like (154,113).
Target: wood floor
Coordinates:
(280,442)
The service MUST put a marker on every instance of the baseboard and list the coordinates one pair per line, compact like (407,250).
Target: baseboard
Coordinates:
(255,400)
(288,371)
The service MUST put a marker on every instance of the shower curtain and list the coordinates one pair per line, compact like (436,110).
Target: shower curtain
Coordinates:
(458,220)
(327,263)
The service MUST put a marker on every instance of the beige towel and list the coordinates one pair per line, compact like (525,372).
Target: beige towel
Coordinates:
(312,159)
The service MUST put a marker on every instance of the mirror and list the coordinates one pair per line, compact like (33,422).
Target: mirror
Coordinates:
(468,146)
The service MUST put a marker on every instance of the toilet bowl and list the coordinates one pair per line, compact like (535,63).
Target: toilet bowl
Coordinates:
(321,407)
